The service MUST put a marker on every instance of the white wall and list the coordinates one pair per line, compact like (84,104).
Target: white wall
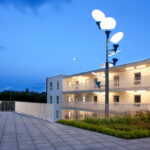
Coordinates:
(41,110)
(54,93)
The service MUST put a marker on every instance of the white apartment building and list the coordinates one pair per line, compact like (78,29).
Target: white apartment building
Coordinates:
(77,95)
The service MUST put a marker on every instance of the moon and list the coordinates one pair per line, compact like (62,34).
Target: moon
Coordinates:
(74,59)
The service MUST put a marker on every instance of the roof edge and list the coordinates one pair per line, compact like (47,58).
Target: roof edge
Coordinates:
(112,68)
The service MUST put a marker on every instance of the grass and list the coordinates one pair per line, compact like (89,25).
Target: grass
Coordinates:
(128,126)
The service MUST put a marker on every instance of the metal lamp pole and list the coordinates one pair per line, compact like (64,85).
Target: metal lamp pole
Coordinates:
(107,24)
(107,77)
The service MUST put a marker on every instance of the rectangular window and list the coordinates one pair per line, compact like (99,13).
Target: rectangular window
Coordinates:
(51,85)
(69,99)
(77,85)
(57,85)
(116,81)
(57,114)
(137,78)
(95,98)
(95,85)
(116,99)
(137,100)
(51,101)
(84,98)
(57,99)
(76,98)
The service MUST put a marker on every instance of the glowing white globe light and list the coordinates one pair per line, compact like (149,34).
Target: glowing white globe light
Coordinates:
(98,15)
(116,37)
(108,23)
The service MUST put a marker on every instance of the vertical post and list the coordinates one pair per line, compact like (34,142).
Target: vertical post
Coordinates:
(107,77)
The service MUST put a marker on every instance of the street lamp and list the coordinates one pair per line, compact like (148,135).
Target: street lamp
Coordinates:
(107,24)
(116,37)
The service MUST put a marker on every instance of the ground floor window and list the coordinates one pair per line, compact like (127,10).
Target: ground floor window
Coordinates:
(116,99)
(57,114)
(69,99)
(95,98)
(51,101)
(137,100)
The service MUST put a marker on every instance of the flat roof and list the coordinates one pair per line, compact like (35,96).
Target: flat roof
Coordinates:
(111,68)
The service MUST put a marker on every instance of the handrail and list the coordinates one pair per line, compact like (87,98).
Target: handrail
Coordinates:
(123,83)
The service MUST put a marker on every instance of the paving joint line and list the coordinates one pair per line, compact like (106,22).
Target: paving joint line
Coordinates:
(29,132)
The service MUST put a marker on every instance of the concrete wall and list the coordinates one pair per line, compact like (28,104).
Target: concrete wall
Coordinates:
(54,92)
(40,110)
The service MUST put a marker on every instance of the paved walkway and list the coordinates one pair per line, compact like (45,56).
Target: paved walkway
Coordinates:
(21,132)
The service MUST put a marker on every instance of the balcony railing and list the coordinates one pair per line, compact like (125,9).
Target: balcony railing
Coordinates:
(114,108)
(124,83)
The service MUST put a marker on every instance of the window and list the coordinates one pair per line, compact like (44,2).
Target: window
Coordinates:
(116,99)
(116,81)
(95,80)
(57,85)
(84,98)
(69,84)
(77,84)
(57,114)
(57,99)
(95,98)
(51,101)
(137,100)
(51,85)
(137,78)
(76,98)
(69,99)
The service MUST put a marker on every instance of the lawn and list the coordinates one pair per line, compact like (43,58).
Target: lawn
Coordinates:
(127,126)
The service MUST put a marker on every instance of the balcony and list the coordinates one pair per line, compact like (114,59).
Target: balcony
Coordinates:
(123,84)
(80,87)
(100,108)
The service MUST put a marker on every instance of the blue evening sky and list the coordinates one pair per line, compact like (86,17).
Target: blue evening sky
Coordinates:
(40,38)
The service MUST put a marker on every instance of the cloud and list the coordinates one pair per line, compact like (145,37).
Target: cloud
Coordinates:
(39,87)
(7,88)
(33,5)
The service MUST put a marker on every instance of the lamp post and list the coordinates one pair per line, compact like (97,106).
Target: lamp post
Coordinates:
(107,24)
(107,77)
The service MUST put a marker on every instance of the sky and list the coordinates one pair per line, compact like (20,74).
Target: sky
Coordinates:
(42,38)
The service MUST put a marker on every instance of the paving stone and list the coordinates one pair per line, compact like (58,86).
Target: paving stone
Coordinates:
(44,147)
(81,147)
(22,132)
(26,147)
(65,148)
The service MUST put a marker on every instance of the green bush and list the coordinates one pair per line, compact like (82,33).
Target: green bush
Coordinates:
(128,126)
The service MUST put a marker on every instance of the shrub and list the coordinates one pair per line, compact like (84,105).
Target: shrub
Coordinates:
(127,126)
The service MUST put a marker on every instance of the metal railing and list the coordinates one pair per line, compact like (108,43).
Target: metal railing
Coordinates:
(7,106)
(124,83)
(113,108)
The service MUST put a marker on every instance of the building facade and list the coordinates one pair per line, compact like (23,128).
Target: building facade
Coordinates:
(79,95)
